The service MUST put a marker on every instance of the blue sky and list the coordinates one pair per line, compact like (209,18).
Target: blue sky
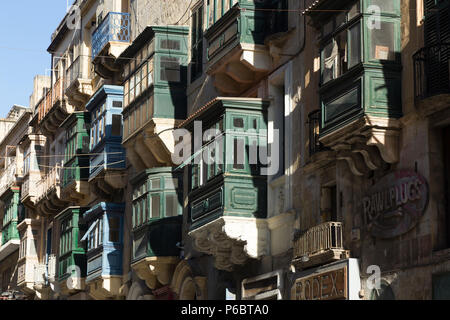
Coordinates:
(25,30)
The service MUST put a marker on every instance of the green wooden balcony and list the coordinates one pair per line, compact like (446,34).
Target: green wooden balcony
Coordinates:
(75,173)
(71,260)
(237,53)
(157,220)
(10,238)
(154,94)
(227,197)
(360,77)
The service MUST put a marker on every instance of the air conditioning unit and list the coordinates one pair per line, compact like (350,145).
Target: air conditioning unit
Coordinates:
(264,287)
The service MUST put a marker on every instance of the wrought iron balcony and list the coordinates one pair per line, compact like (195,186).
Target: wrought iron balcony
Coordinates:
(432,71)
(320,244)
(114,28)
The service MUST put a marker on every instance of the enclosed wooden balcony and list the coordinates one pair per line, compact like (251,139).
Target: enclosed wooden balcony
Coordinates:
(53,108)
(238,53)
(108,162)
(74,184)
(104,239)
(227,200)
(109,40)
(320,245)
(432,78)
(49,200)
(71,260)
(154,94)
(156,223)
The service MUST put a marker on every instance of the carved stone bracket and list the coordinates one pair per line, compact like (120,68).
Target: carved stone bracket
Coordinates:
(232,240)
(366,144)
(156,271)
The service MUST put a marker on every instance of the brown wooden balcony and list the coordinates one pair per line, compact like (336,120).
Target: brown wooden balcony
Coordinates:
(320,245)
(52,110)
(49,199)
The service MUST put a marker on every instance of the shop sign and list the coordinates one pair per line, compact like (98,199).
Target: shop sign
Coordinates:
(395,204)
(331,285)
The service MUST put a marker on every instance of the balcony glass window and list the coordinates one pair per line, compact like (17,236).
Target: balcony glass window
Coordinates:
(114,229)
(95,237)
(170,69)
(65,245)
(217,8)
(342,48)
(208,163)
(154,199)
(197,43)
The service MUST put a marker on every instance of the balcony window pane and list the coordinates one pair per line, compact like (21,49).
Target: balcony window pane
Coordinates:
(170,44)
(354,11)
(170,183)
(238,153)
(116,125)
(114,227)
(155,184)
(385,6)
(383,42)
(155,205)
(329,57)
(172,205)
(238,122)
(341,105)
(354,55)
(170,69)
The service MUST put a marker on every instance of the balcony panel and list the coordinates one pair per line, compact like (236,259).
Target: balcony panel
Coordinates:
(9,247)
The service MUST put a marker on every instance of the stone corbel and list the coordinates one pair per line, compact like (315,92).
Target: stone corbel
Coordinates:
(156,271)
(232,240)
(387,142)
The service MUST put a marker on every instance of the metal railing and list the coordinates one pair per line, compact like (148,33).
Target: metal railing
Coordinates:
(115,27)
(432,71)
(318,239)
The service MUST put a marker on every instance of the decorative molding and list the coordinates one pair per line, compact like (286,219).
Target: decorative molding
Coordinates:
(232,240)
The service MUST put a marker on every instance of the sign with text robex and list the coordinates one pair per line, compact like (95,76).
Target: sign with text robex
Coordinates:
(395,204)
(338,280)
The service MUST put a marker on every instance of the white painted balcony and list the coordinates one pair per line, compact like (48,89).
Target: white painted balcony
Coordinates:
(9,175)
(319,245)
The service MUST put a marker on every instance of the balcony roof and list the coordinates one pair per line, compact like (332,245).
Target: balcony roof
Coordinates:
(102,93)
(8,248)
(146,36)
(243,102)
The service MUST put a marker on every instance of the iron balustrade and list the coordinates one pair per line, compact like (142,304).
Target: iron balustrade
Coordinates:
(432,71)
(115,27)
(321,238)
